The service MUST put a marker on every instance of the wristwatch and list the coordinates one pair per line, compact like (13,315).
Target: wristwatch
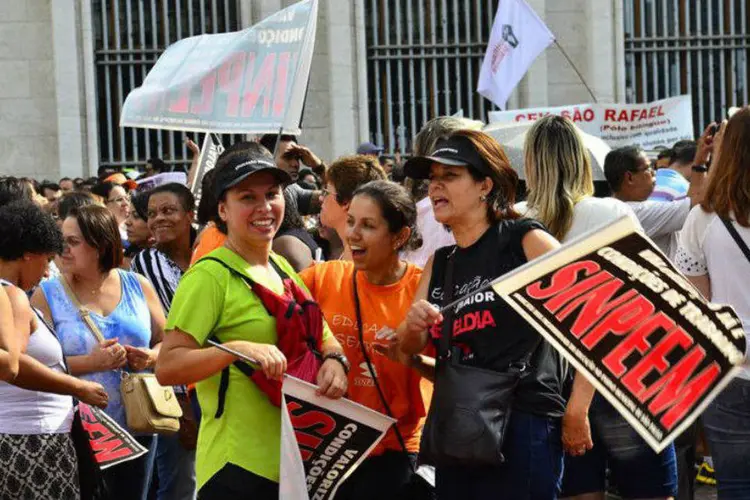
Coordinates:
(341,358)
(700,168)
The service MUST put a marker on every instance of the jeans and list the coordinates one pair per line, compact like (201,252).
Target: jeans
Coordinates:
(131,480)
(235,483)
(533,468)
(175,468)
(367,482)
(619,448)
(727,426)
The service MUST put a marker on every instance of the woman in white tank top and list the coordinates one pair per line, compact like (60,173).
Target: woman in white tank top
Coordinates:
(37,457)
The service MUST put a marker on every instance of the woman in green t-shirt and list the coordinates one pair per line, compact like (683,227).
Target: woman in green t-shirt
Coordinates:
(240,430)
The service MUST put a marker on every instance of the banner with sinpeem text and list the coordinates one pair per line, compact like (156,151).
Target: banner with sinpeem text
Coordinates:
(615,307)
(322,441)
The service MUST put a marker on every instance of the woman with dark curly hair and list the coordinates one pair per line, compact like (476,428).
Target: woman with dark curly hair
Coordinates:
(375,290)
(37,458)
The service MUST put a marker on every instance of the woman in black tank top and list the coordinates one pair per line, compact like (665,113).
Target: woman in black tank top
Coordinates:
(472,188)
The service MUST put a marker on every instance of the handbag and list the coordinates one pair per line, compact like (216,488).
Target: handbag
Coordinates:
(470,407)
(419,488)
(149,407)
(90,479)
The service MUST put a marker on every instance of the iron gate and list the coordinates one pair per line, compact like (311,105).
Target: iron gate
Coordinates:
(129,36)
(423,60)
(697,47)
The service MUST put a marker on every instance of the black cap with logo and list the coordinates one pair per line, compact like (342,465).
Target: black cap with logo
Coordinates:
(456,151)
(241,166)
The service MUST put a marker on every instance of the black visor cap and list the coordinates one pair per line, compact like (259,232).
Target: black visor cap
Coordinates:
(456,151)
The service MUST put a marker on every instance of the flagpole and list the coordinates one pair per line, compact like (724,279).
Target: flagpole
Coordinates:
(580,76)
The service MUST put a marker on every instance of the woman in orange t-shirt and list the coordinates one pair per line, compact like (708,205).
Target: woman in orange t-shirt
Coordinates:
(380,223)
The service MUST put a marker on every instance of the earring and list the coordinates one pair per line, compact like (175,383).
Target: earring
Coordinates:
(483,197)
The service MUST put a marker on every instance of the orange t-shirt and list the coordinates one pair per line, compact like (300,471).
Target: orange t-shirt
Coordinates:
(331,285)
(209,240)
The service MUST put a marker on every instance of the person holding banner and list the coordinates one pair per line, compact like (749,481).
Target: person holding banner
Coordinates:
(373,293)
(713,253)
(37,454)
(225,298)
(472,189)
(560,195)
(125,309)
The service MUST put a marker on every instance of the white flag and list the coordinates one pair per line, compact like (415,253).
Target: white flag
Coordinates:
(518,37)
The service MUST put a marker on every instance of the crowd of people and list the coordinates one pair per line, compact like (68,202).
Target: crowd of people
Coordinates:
(379,246)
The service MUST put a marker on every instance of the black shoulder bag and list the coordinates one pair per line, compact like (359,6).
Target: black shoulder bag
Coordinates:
(419,488)
(736,237)
(471,407)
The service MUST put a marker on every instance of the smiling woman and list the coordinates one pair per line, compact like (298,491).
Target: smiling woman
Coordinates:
(217,300)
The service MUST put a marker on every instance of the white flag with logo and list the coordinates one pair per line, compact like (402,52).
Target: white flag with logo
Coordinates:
(518,37)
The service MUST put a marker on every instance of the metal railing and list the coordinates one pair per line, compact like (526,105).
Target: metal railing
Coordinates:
(129,36)
(697,47)
(424,58)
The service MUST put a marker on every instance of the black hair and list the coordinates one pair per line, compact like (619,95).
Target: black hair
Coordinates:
(187,200)
(208,206)
(292,219)
(397,207)
(103,189)
(140,204)
(683,152)
(49,185)
(158,164)
(26,228)
(268,141)
(620,161)
(65,179)
(14,189)
(104,171)
(73,201)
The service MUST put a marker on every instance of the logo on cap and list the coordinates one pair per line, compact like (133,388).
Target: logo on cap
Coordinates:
(445,150)
(263,163)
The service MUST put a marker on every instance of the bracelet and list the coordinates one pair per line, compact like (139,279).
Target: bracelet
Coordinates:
(341,358)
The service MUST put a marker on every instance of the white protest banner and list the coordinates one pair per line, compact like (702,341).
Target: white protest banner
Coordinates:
(615,307)
(323,441)
(518,37)
(150,183)
(250,81)
(110,443)
(658,123)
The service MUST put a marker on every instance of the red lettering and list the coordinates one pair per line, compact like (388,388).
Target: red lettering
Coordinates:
(636,341)
(584,286)
(661,111)
(594,305)
(652,112)
(307,440)
(561,280)
(206,103)
(620,321)
(181,103)
(324,424)
(487,319)
(674,395)
(588,115)
(609,115)
(96,430)
(112,449)
(623,116)
(655,360)
(577,117)
(282,73)
(260,85)
(230,81)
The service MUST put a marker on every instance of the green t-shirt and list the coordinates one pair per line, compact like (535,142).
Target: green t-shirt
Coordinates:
(212,301)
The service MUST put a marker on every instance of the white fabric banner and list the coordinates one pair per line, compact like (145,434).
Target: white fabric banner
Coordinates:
(658,123)
(518,36)
(323,441)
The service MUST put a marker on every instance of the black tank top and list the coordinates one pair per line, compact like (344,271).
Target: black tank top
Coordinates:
(301,235)
(489,332)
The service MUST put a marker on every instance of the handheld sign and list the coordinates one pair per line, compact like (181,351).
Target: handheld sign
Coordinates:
(111,444)
(615,307)
(250,81)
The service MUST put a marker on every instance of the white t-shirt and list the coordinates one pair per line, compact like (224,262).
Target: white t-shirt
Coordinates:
(588,214)
(434,235)
(662,220)
(706,247)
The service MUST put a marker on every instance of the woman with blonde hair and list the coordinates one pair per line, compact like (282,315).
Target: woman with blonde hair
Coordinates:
(560,195)
(713,254)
